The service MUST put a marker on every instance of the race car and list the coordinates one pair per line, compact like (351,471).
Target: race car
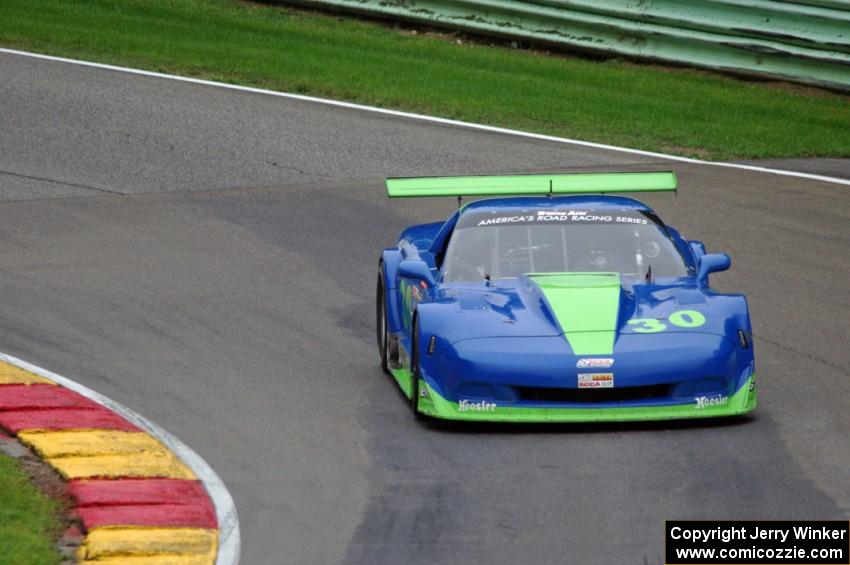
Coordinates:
(554,301)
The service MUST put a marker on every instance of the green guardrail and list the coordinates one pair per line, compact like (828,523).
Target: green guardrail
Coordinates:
(806,41)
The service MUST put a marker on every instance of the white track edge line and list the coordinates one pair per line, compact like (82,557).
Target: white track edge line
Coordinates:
(225,509)
(432,119)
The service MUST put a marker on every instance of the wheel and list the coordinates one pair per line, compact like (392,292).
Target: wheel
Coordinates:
(381,322)
(414,371)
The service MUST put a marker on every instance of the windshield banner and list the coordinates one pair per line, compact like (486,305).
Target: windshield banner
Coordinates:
(575,217)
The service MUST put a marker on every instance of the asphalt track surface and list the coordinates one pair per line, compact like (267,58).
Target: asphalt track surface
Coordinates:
(207,257)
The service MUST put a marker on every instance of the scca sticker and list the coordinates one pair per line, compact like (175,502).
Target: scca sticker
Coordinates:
(596,380)
(680,318)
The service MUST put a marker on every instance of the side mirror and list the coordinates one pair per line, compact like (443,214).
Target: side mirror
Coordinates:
(712,263)
(698,248)
(416,269)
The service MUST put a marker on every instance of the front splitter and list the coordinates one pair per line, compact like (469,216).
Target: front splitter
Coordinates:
(436,406)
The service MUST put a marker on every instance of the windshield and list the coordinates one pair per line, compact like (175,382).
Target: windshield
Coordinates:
(503,245)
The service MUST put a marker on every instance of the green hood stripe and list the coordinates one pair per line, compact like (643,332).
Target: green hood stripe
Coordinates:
(586,306)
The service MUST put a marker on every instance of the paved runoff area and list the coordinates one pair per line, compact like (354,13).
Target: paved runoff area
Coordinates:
(207,257)
(137,501)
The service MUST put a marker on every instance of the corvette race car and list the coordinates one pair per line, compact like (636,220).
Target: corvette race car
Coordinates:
(555,302)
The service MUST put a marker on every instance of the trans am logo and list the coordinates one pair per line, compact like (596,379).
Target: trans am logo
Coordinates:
(594,363)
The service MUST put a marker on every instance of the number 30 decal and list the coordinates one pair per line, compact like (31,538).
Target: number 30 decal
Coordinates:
(681,318)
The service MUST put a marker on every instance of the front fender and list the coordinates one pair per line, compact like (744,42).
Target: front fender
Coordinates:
(390,259)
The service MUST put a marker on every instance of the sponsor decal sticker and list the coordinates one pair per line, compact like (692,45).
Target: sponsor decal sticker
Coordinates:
(596,380)
(709,401)
(480,406)
(562,212)
(594,363)
(560,215)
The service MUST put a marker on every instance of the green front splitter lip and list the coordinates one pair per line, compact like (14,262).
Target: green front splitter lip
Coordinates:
(436,406)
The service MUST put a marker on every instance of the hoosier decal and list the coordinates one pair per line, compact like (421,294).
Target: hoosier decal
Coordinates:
(480,406)
(708,401)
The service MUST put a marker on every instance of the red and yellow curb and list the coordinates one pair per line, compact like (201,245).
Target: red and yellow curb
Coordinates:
(137,501)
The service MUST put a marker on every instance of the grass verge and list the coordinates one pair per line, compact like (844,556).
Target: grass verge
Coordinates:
(29,520)
(672,110)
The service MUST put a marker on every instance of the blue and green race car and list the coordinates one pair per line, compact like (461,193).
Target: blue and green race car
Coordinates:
(555,302)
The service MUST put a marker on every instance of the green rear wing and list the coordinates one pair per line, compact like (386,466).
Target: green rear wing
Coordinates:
(518,185)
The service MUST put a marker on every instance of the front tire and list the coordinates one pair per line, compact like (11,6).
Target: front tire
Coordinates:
(415,372)
(381,321)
